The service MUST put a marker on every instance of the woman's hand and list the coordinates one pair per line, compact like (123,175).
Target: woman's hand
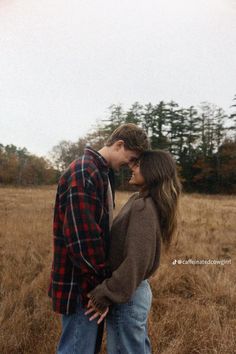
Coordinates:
(97,313)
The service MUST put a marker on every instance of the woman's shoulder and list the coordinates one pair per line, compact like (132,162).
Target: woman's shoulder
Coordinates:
(142,203)
(145,204)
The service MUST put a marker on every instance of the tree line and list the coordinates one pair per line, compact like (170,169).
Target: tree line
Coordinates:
(19,167)
(202,140)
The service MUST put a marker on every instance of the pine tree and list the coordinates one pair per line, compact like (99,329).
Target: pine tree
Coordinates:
(232,118)
(134,114)
(157,127)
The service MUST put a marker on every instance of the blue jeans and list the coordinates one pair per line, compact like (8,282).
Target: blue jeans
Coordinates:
(126,327)
(78,335)
(127,324)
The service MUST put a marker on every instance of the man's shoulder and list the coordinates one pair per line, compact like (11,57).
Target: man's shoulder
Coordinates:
(81,172)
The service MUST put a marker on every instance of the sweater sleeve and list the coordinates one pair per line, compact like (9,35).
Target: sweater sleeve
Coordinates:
(141,248)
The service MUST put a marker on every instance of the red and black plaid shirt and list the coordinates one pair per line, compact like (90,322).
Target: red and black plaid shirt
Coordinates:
(81,232)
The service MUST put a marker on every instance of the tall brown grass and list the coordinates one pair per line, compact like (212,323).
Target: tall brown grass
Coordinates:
(194,306)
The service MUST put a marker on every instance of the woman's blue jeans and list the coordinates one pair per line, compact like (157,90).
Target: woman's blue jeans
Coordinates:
(126,327)
(127,324)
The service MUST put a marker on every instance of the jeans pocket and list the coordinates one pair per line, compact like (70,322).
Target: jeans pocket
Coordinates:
(139,305)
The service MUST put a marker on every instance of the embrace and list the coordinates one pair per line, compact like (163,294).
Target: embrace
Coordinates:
(101,266)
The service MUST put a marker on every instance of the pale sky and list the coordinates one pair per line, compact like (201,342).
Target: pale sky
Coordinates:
(63,63)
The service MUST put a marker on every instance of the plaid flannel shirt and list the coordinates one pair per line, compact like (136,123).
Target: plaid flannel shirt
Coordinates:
(81,232)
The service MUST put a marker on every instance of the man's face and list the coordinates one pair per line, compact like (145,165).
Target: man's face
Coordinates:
(122,156)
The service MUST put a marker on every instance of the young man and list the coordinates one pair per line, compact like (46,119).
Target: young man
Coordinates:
(82,218)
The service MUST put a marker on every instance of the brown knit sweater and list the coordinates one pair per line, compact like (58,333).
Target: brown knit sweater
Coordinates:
(134,251)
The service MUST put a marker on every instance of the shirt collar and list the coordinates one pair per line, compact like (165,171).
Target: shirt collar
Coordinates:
(99,159)
(144,194)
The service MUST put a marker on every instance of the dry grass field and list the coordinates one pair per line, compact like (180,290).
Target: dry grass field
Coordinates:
(194,305)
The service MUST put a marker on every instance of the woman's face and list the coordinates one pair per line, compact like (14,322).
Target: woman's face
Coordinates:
(136,178)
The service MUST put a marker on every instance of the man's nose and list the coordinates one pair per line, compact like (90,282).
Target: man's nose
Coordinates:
(131,165)
(132,168)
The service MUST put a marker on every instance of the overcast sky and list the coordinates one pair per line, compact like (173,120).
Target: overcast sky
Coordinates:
(62,63)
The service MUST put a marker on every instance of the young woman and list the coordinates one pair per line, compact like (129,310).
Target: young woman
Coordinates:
(147,220)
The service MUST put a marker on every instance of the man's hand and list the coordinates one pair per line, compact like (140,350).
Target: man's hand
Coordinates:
(97,313)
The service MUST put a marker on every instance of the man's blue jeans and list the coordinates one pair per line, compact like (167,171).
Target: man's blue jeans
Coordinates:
(127,324)
(126,327)
(78,333)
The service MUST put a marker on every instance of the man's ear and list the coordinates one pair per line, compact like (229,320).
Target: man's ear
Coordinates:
(119,144)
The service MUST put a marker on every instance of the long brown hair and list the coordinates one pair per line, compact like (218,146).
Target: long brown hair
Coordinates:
(159,171)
